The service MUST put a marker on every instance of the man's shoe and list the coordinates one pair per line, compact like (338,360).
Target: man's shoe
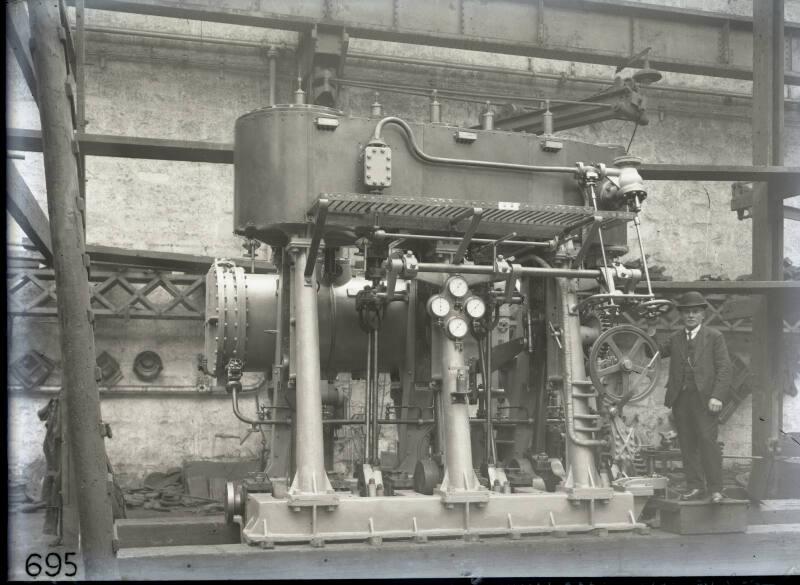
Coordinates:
(695,494)
(716,498)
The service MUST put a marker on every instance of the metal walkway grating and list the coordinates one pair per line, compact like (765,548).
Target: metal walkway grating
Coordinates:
(433,212)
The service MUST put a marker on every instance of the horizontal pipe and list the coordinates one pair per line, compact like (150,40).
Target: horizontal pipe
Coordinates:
(381,421)
(415,149)
(132,390)
(529,271)
(522,244)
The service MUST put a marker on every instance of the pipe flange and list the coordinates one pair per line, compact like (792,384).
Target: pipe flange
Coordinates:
(147,366)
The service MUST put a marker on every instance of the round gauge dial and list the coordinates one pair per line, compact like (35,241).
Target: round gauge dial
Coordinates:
(438,306)
(457,286)
(475,307)
(457,327)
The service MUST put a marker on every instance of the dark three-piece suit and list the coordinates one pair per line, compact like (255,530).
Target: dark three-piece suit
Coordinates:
(699,370)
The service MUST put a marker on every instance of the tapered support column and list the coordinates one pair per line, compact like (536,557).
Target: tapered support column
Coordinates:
(581,466)
(75,317)
(310,478)
(459,475)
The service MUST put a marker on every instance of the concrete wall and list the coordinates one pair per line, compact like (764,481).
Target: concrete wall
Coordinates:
(159,90)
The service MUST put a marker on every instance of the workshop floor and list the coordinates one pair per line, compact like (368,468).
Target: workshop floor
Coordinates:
(764,549)
(25,538)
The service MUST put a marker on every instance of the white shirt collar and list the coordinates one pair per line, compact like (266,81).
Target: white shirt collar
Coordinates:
(693,332)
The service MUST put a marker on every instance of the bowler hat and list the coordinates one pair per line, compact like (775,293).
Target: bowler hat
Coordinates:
(691,299)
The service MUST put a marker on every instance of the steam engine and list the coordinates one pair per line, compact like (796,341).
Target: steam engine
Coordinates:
(480,270)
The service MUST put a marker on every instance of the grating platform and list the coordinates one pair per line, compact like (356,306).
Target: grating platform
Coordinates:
(434,213)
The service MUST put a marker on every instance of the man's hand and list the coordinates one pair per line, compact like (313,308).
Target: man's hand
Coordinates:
(714,405)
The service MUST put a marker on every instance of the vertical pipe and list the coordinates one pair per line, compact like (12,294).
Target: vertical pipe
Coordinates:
(272,55)
(436,109)
(310,477)
(488,387)
(458,458)
(368,402)
(74,310)
(375,399)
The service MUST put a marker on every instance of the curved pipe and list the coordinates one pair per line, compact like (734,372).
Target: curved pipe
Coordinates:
(251,421)
(415,149)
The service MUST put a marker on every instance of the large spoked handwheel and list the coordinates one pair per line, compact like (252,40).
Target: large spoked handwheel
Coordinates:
(624,363)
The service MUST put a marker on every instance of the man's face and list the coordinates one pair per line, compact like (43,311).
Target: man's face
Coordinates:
(692,316)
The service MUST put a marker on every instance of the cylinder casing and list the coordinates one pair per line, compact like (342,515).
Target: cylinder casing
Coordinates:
(231,292)
(284,162)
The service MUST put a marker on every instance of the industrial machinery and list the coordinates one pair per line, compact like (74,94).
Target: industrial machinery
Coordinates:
(481,270)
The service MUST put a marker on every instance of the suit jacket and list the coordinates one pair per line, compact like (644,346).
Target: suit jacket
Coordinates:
(712,369)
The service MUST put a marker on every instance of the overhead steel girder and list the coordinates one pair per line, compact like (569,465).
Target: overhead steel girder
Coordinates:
(786,180)
(605,32)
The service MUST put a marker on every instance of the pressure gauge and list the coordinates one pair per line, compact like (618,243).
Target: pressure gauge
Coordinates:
(457,327)
(438,306)
(475,307)
(458,287)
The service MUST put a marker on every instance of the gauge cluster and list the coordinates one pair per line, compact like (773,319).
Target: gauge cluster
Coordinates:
(455,307)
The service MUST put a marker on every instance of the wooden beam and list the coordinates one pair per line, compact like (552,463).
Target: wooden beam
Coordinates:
(27,212)
(18,34)
(790,212)
(130,147)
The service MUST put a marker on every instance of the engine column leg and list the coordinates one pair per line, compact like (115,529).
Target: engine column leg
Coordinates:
(583,425)
(459,475)
(310,479)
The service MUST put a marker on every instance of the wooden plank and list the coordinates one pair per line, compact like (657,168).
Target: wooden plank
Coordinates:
(27,212)
(172,531)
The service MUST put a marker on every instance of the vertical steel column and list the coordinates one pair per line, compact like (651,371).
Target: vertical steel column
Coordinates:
(310,477)
(459,474)
(767,212)
(74,310)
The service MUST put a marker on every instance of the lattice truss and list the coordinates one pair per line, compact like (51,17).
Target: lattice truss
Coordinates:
(122,293)
(719,318)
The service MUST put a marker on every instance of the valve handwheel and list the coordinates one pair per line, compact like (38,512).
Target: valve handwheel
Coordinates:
(655,308)
(624,363)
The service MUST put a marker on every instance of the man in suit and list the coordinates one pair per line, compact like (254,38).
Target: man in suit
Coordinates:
(698,385)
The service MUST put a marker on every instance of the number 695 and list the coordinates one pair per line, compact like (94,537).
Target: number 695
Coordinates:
(53,564)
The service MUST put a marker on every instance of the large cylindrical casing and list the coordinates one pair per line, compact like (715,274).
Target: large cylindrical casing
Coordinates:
(284,162)
(342,343)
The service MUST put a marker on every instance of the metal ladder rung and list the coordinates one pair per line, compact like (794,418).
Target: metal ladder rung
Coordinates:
(582,383)
(586,416)
(588,429)
(584,394)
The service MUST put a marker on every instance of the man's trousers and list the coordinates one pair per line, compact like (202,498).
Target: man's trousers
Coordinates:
(697,433)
